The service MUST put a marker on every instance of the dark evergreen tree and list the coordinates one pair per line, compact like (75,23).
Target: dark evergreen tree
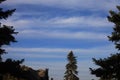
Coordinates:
(71,68)
(6,32)
(6,37)
(115,18)
(109,68)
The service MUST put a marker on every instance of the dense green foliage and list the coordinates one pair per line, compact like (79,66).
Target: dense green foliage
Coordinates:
(109,68)
(71,68)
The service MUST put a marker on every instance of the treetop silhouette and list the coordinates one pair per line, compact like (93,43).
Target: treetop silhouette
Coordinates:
(71,68)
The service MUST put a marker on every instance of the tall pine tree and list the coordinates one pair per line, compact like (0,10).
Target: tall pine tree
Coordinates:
(71,68)
(109,68)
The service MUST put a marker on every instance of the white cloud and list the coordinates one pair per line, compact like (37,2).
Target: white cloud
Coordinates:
(38,49)
(25,27)
(38,34)
(92,21)
(39,52)
(60,22)
(71,4)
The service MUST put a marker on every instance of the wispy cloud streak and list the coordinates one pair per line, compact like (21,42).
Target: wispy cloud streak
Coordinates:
(102,49)
(60,22)
(38,34)
(71,4)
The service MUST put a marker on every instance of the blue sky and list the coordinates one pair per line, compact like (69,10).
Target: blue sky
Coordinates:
(50,29)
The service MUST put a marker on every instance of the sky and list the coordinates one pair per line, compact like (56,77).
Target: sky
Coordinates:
(50,29)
